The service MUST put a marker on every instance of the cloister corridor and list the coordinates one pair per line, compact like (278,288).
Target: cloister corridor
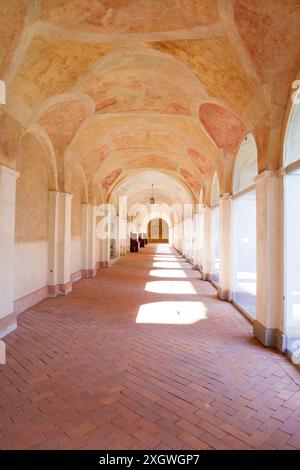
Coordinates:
(99,369)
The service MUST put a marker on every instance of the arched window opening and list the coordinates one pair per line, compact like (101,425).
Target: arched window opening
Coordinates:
(292,227)
(292,140)
(245,168)
(215,243)
(244,227)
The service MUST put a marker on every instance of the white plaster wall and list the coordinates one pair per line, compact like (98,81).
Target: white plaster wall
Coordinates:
(75,254)
(31,267)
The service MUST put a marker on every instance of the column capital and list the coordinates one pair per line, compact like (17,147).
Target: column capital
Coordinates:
(89,204)
(281,171)
(60,193)
(266,174)
(9,171)
(225,197)
(67,195)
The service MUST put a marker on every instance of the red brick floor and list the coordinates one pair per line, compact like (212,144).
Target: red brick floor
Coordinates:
(82,373)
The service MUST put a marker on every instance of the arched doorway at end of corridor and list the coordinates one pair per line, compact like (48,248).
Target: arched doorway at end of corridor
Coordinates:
(158,231)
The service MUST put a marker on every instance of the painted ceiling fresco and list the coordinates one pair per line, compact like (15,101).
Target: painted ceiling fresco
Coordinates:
(222,125)
(51,66)
(62,120)
(217,67)
(124,86)
(270,34)
(12,14)
(202,161)
(129,16)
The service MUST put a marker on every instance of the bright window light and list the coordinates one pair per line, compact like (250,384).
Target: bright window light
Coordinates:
(244,253)
(246,275)
(292,235)
(296,312)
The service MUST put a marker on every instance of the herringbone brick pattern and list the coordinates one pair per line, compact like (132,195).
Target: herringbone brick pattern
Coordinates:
(82,374)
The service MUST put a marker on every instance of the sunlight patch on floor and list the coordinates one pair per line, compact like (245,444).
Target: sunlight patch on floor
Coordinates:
(172,313)
(166,264)
(163,250)
(170,287)
(167,273)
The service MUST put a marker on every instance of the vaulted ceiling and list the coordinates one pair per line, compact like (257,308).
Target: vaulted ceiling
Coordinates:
(120,87)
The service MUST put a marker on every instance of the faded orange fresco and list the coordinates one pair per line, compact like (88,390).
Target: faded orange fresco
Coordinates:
(109,89)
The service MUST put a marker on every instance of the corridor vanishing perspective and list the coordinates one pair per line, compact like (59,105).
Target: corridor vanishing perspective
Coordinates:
(95,369)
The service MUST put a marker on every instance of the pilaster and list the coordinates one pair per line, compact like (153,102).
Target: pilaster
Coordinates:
(8,179)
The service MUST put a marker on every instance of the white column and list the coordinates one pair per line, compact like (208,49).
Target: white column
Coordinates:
(201,236)
(129,229)
(8,178)
(117,236)
(104,240)
(184,239)
(197,226)
(180,241)
(206,260)
(175,237)
(104,252)
(171,236)
(60,207)
(89,259)
(225,237)
(188,231)
(123,235)
(269,324)
(180,236)
(122,232)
